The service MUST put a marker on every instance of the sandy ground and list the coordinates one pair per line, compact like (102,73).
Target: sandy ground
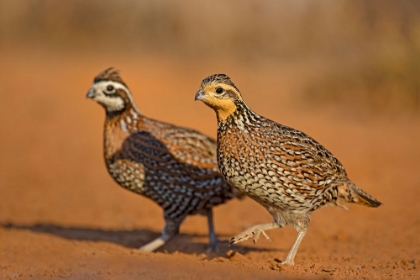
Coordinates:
(61,215)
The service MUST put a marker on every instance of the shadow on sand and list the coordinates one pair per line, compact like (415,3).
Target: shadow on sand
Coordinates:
(133,239)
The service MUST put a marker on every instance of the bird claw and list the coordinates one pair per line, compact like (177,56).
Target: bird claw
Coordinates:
(253,232)
(213,248)
(265,235)
(286,262)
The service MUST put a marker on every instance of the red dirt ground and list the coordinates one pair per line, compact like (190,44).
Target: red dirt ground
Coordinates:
(61,215)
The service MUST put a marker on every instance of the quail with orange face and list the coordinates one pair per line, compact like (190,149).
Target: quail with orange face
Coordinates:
(176,167)
(283,169)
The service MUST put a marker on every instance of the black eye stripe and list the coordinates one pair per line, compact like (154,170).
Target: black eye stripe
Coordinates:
(111,95)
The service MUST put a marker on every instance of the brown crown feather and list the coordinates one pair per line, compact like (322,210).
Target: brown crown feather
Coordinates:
(219,78)
(109,74)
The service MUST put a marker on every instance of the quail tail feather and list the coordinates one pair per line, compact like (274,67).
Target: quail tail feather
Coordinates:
(351,193)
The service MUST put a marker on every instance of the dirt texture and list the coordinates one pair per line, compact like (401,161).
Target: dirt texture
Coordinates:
(62,216)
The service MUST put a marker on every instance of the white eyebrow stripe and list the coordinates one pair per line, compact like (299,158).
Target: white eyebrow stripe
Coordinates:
(104,84)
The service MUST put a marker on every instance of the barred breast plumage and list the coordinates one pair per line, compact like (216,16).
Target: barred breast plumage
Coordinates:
(282,168)
(174,166)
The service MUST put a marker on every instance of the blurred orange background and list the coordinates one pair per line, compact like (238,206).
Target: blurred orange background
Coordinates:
(345,72)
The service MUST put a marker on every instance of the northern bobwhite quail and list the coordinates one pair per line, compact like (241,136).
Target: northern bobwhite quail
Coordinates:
(174,166)
(282,168)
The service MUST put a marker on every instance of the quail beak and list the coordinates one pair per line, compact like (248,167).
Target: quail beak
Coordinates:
(90,94)
(200,95)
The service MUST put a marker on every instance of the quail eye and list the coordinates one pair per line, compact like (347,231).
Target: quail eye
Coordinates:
(110,88)
(219,90)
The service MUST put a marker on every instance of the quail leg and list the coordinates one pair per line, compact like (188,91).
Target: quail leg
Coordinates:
(169,231)
(212,236)
(153,245)
(292,253)
(254,232)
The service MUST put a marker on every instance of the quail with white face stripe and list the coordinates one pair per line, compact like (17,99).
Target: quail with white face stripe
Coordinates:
(176,167)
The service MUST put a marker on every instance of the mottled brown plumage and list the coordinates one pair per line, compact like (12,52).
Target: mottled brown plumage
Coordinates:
(282,168)
(174,166)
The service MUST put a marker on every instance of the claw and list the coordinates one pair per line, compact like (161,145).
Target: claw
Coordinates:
(248,234)
(257,235)
(254,232)
(291,263)
(266,236)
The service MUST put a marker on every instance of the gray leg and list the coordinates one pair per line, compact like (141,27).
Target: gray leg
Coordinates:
(291,256)
(170,230)
(255,232)
(212,235)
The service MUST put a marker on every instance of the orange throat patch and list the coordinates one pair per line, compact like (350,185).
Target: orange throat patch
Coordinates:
(223,107)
